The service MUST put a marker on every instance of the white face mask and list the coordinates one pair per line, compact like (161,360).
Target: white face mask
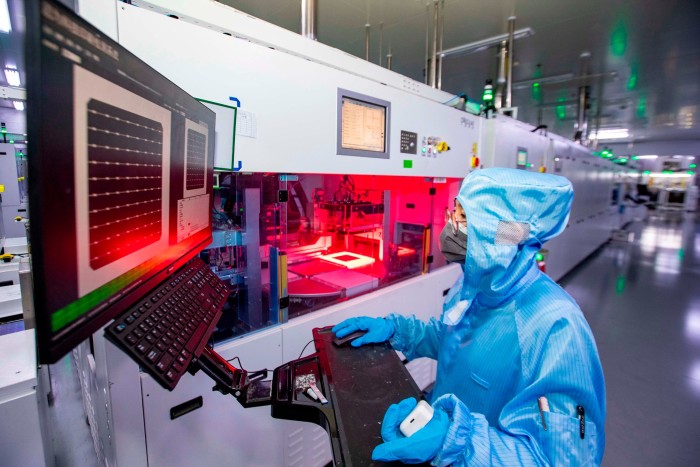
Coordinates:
(463,228)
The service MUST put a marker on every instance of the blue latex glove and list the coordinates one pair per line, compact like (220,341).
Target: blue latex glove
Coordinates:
(379,329)
(421,447)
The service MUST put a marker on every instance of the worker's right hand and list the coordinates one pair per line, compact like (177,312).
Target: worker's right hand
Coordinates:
(378,329)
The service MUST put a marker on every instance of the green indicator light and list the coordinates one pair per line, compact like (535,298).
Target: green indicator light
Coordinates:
(692,166)
(618,39)
(12,141)
(424,149)
(407,164)
(620,285)
(647,172)
(539,257)
(634,158)
(681,253)
(561,109)
(528,165)
(632,81)
(642,107)
(536,85)
(690,172)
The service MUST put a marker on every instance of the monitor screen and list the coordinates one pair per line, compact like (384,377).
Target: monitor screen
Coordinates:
(363,124)
(120,176)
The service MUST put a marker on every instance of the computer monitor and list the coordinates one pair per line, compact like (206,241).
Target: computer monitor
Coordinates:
(120,176)
(363,125)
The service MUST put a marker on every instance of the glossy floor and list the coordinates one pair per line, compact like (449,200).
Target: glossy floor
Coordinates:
(642,301)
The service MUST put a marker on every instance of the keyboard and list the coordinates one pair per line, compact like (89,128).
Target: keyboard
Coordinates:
(170,326)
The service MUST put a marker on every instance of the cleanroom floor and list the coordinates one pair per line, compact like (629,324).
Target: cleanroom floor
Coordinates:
(642,301)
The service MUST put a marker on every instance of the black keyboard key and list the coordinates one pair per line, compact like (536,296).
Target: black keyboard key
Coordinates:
(132,339)
(152,355)
(142,347)
(120,327)
(196,337)
(165,362)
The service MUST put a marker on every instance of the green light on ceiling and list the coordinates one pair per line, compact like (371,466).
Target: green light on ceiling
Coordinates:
(642,107)
(647,172)
(561,109)
(634,76)
(618,39)
(536,91)
(634,158)
(690,172)
(620,284)
(692,166)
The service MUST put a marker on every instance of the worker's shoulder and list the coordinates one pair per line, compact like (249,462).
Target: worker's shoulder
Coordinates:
(544,303)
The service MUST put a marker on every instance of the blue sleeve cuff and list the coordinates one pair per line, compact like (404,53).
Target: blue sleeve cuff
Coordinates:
(457,443)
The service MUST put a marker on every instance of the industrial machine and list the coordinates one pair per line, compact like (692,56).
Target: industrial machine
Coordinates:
(332,180)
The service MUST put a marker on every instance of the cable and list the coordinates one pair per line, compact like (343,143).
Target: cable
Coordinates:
(302,350)
(239,362)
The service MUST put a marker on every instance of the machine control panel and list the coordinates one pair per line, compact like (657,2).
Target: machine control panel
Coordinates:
(409,142)
(433,145)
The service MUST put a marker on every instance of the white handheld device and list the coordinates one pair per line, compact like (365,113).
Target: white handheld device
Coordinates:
(417,419)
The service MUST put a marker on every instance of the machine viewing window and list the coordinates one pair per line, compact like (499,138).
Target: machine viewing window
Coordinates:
(363,125)
(120,176)
(336,237)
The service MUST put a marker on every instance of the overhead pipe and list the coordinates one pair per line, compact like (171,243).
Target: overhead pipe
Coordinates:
(308,19)
(367,26)
(509,64)
(483,44)
(438,56)
(433,64)
(501,77)
(388,60)
(427,40)
(381,39)
(583,102)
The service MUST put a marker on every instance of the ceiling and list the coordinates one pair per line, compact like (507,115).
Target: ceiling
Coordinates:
(644,65)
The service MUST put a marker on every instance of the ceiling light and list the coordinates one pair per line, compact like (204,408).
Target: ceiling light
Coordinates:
(647,157)
(612,133)
(5,25)
(19,105)
(12,76)
(485,43)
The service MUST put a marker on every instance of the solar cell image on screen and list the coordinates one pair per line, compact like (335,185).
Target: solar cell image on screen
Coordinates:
(196,159)
(125,157)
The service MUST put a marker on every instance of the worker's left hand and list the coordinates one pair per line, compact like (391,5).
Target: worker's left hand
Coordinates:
(421,447)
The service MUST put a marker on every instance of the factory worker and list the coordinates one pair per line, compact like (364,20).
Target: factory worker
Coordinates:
(519,381)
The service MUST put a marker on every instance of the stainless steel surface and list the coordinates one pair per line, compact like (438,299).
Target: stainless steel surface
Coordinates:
(367,26)
(308,19)
(501,80)
(441,33)
(433,55)
(509,67)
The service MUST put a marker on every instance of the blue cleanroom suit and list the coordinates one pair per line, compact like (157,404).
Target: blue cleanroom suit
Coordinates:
(509,335)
